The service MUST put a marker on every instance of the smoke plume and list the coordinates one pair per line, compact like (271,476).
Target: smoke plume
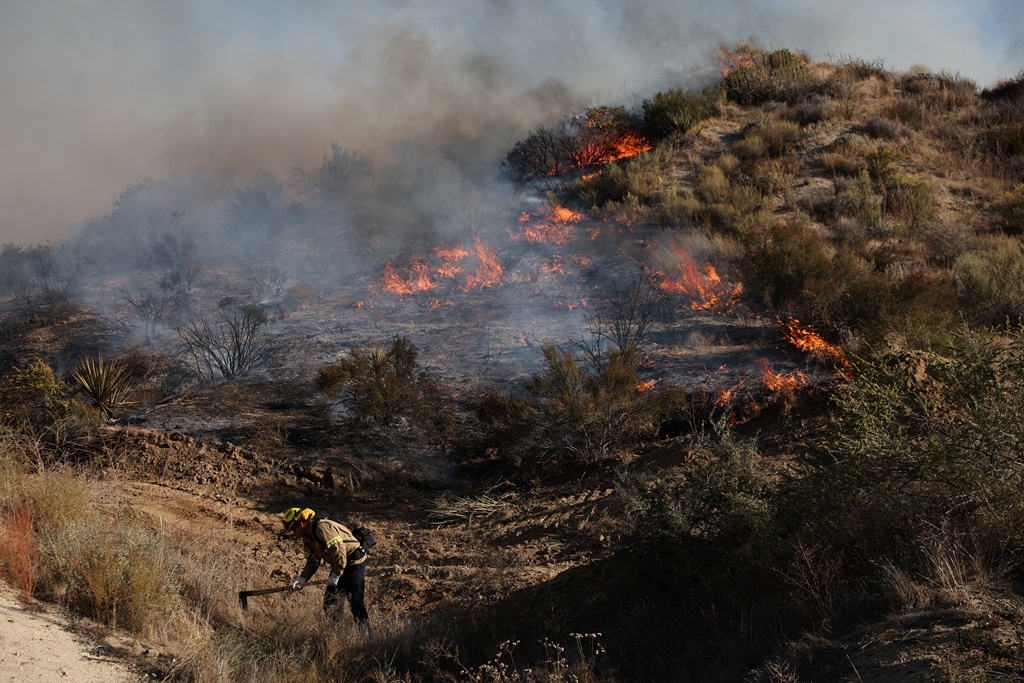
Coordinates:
(99,95)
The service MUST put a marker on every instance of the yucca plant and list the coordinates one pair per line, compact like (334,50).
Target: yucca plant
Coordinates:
(106,383)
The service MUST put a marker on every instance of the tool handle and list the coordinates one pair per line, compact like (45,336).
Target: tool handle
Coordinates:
(266,591)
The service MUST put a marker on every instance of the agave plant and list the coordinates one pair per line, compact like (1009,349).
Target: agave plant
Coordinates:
(106,383)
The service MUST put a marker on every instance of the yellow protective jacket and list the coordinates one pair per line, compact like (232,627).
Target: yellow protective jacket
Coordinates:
(330,543)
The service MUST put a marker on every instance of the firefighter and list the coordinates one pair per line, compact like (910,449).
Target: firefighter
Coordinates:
(328,542)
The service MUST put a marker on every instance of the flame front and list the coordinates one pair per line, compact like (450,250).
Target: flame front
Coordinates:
(812,343)
(706,290)
(729,62)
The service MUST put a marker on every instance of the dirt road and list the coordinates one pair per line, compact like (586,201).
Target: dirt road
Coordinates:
(38,645)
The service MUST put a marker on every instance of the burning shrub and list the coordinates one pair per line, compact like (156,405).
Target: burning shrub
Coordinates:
(598,135)
(379,385)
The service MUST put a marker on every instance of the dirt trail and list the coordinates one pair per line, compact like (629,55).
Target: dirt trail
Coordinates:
(37,643)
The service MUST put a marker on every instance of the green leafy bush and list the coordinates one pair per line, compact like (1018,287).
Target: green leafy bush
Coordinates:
(573,414)
(1011,211)
(922,441)
(990,283)
(777,76)
(113,573)
(33,397)
(720,498)
(678,111)
(380,385)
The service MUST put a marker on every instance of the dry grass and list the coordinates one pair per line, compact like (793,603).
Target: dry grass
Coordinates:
(19,551)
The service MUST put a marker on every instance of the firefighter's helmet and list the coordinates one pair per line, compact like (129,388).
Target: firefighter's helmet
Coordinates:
(293,515)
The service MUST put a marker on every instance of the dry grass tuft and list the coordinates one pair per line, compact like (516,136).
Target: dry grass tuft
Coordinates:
(19,551)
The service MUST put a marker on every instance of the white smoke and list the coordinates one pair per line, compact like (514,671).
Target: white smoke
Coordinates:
(102,94)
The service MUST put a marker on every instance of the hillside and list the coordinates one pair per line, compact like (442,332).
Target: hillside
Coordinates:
(704,406)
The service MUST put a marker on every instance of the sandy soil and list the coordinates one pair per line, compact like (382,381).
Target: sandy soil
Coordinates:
(37,643)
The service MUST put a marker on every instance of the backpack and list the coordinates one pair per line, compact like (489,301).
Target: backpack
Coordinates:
(364,535)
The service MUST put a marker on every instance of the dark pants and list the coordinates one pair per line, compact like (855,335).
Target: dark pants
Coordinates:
(352,583)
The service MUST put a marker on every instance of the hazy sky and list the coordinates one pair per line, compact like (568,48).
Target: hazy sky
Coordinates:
(97,94)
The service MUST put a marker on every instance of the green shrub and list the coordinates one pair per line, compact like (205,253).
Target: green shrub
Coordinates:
(939,92)
(911,200)
(990,283)
(922,441)
(880,127)
(722,200)
(112,572)
(1011,211)
(772,139)
(1011,89)
(789,265)
(281,650)
(33,397)
(782,257)
(861,69)
(381,384)
(721,498)
(678,111)
(106,383)
(573,414)
(638,178)
(339,175)
(777,76)
(842,162)
(1005,138)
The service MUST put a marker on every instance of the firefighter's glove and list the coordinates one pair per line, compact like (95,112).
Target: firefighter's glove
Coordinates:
(332,580)
(298,583)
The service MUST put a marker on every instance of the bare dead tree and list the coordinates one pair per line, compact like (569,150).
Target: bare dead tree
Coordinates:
(57,270)
(620,321)
(267,281)
(231,343)
(155,308)
(540,155)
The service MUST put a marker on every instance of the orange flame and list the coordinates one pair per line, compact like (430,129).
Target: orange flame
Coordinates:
(643,387)
(812,343)
(729,62)
(707,291)
(556,226)
(629,145)
(490,272)
(791,381)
